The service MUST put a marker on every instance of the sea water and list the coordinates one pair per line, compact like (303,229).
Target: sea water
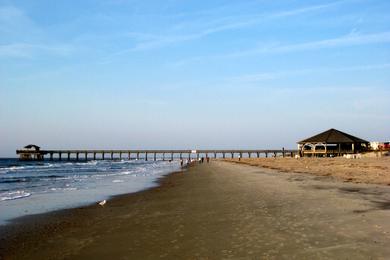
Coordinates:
(37,187)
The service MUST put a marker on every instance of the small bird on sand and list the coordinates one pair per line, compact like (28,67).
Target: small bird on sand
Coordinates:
(101,203)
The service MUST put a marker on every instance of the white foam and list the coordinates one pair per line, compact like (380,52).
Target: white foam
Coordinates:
(13,195)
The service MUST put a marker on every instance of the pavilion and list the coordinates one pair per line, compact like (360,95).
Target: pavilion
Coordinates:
(331,143)
(30,152)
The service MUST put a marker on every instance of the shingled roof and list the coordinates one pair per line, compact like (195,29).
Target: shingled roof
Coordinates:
(333,136)
(30,146)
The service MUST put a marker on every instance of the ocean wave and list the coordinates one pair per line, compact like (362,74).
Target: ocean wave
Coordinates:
(13,195)
(30,178)
(63,189)
(26,167)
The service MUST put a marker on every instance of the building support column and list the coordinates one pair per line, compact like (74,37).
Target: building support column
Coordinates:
(326,150)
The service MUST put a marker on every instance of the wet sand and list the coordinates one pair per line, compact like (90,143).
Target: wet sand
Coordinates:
(213,211)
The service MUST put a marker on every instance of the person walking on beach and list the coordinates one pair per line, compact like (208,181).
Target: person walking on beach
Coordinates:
(208,159)
(202,159)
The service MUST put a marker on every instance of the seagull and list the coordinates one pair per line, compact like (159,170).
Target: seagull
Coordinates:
(101,203)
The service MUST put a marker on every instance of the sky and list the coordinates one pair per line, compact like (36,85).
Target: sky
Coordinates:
(130,74)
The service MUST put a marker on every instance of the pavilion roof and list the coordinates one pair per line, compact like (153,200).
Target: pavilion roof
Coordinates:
(36,147)
(333,136)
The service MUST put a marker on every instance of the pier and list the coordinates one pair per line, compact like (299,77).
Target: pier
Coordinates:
(84,155)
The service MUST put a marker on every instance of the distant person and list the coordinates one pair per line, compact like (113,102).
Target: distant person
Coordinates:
(239,157)
(202,159)
(181,162)
(208,159)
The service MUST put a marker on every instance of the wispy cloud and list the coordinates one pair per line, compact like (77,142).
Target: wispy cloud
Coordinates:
(22,38)
(264,76)
(16,24)
(23,50)
(346,40)
(213,26)
(343,41)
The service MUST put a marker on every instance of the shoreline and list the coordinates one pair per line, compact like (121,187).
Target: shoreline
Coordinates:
(19,228)
(216,210)
(52,186)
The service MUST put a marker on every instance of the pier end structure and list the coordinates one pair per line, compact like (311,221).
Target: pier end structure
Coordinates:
(30,152)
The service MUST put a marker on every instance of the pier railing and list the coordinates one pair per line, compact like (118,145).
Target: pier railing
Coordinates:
(148,154)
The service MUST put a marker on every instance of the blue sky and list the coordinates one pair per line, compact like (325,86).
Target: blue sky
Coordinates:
(191,74)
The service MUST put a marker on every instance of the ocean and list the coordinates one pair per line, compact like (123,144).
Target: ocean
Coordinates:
(37,187)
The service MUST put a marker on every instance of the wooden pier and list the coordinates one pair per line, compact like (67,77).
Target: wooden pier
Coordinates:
(84,155)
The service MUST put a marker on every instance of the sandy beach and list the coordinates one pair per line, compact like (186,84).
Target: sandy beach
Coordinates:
(363,170)
(213,211)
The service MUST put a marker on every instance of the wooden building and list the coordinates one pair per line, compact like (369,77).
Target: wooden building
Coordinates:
(332,143)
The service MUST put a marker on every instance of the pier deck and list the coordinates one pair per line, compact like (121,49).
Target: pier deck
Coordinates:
(147,154)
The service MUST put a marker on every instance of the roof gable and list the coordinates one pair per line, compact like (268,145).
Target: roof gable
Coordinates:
(333,136)
(32,146)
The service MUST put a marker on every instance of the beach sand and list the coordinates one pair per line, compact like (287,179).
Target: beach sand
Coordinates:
(363,170)
(213,211)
